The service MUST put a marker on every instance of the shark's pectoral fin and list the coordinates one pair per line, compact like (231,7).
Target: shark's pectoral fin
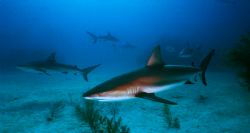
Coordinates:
(153,97)
(43,71)
(188,82)
(65,72)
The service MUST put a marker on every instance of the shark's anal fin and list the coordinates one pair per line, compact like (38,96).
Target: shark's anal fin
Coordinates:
(65,72)
(193,65)
(153,97)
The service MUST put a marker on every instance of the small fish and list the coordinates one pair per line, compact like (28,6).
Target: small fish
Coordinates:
(170,49)
(145,82)
(188,51)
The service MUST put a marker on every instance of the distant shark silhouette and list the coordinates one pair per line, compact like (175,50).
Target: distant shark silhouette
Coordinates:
(107,37)
(51,65)
(189,51)
(145,82)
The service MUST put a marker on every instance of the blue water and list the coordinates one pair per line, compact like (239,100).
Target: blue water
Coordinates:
(31,30)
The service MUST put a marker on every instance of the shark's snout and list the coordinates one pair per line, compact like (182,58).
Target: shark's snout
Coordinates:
(85,94)
(88,94)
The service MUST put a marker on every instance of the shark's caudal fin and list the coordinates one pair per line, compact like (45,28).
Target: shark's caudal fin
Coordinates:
(93,36)
(204,65)
(155,59)
(87,70)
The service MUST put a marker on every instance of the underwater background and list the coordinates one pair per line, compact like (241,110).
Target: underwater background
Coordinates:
(126,32)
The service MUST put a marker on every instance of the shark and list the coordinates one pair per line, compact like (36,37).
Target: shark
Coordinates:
(51,65)
(144,83)
(107,37)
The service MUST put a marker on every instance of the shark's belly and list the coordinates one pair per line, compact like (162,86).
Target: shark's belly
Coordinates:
(161,83)
(29,70)
(61,69)
(155,89)
(113,96)
(128,90)
(121,93)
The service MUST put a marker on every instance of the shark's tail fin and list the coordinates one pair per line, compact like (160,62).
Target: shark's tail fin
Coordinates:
(204,65)
(87,70)
(93,36)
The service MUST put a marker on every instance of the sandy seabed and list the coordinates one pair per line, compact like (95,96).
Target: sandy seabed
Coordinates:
(25,99)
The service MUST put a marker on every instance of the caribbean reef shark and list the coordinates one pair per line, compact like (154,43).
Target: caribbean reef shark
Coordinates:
(51,65)
(145,82)
(107,37)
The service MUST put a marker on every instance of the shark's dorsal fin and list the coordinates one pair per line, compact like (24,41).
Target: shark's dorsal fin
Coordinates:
(51,58)
(156,59)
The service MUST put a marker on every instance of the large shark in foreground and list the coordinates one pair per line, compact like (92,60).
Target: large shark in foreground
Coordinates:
(145,82)
(107,37)
(51,65)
